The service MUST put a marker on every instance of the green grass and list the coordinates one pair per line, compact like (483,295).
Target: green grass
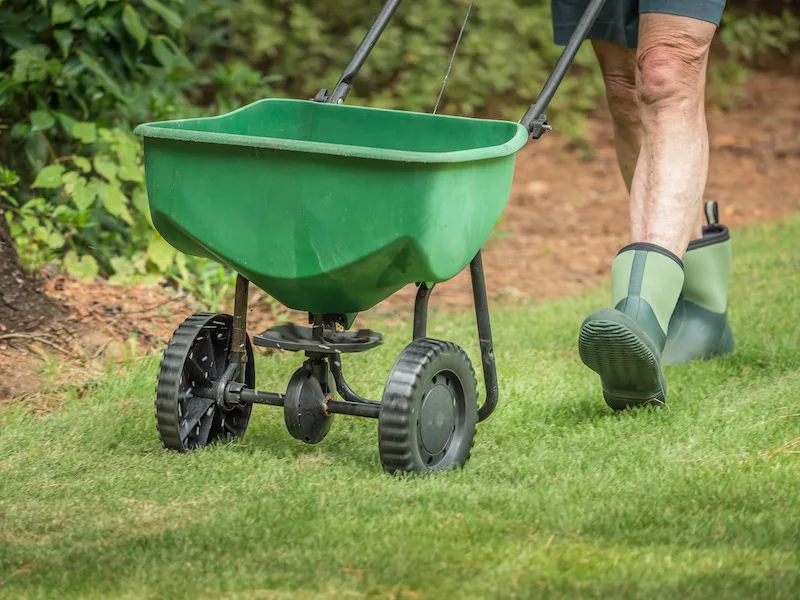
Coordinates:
(562,497)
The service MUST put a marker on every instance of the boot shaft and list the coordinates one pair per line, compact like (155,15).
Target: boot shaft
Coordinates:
(699,327)
(646,281)
(707,264)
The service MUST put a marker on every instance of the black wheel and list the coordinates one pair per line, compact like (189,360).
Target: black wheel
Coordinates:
(304,407)
(196,357)
(429,409)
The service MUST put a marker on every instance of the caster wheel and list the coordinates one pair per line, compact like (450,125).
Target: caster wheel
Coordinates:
(304,408)
(195,359)
(429,409)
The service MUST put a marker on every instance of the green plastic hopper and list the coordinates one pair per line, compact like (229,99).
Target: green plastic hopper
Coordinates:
(328,208)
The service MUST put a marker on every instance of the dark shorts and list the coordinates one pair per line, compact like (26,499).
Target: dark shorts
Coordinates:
(618,20)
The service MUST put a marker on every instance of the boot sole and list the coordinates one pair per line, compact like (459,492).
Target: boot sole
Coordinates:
(629,365)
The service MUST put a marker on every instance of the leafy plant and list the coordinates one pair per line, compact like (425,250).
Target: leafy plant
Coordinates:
(744,37)
(101,222)
(76,77)
(747,35)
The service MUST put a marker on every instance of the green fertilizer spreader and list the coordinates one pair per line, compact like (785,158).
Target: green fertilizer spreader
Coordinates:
(331,209)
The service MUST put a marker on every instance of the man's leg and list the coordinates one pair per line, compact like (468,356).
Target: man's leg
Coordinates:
(618,65)
(699,325)
(670,177)
(623,344)
(670,180)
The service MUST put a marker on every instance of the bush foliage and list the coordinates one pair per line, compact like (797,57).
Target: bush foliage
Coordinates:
(77,75)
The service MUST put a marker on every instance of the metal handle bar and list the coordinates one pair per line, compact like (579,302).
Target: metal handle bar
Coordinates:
(342,88)
(534,119)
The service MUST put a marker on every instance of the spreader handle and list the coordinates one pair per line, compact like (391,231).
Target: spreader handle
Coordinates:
(342,88)
(534,120)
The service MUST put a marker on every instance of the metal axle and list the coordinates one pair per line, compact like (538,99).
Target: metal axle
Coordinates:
(238,394)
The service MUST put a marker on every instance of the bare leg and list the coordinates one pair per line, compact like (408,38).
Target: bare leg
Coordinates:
(618,65)
(670,177)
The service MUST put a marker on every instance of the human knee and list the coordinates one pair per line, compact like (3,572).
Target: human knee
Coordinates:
(618,65)
(671,72)
(623,101)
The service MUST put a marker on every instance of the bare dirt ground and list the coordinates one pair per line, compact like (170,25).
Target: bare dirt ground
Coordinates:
(566,219)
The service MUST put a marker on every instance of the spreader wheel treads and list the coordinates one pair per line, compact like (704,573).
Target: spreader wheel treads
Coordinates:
(429,409)
(187,416)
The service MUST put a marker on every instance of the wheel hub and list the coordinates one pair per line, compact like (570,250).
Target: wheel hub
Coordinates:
(429,409)
(437,419)
(304,408)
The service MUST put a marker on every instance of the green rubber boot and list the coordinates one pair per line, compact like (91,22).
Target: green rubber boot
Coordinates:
(699,327)
(623,344)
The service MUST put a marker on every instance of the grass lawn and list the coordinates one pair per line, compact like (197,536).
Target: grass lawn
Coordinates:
(562,498)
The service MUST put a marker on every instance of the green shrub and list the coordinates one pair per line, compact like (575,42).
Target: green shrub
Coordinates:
(76,77)
(747,35)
